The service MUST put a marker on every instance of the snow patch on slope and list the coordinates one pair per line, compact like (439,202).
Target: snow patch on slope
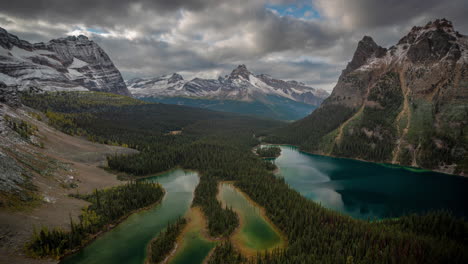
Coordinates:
(8,80)
(240,85)
(77,63)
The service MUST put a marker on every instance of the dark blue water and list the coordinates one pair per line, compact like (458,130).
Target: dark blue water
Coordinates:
(369,190)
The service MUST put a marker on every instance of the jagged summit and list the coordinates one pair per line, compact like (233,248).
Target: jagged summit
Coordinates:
(432,42)
(8,40)
(240,71)
(72,38)
(438,27)
(175,77)
(69,63)
(438,24)
(435,43)
(367,48)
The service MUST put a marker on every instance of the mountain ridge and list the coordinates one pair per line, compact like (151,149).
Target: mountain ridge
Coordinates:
(72,63)
(404,105)
(240,84)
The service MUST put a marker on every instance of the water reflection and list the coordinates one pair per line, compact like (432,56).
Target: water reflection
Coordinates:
(127,242)
(368,190)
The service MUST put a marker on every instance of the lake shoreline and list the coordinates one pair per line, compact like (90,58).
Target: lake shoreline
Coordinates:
(245,251)
(410,168)
(196,222)
(111,226)
(129,242)
(367,190)
(168,255)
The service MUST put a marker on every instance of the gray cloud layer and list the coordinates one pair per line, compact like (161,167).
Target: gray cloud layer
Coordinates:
(210,37)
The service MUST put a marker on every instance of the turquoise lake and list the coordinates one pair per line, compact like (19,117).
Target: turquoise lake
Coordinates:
(369,190)
(127,242)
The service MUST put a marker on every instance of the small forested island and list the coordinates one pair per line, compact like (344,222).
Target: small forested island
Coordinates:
(268,152)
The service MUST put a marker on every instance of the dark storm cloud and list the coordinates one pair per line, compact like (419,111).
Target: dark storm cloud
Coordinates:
(390,19)
(285,33)
(371,13)
(210,37)
(147,57)
(95,12)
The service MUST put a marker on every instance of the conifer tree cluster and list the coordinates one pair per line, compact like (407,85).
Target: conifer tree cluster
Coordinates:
(225,253)
(164,243)
(108,206)
(268,152)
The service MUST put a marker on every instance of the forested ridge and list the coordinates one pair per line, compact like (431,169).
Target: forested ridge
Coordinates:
(219,147)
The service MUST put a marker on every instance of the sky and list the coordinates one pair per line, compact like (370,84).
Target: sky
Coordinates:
(305,40)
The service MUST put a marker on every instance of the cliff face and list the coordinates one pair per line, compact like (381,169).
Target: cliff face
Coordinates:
(407,104)
(71,63)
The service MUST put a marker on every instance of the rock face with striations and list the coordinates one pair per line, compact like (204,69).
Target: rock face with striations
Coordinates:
(407,104)
(71,63)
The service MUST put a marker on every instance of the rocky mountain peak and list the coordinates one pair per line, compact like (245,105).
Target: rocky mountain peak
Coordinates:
(437,39)
(437,27)
(440,24)
(8,40)
(366,49)
(175,77)
(240,71)
(69,63)
(80,38)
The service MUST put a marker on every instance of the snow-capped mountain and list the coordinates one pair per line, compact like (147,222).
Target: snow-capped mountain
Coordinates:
(70,64)
(240,85)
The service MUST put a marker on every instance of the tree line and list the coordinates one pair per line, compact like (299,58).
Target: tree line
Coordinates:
(107,206)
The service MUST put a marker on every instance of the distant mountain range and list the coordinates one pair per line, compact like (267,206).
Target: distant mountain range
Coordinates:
(64,64)
(79,64)
(241,92)
(407,104)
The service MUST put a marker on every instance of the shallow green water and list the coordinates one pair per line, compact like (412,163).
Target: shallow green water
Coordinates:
(369,190)
(127,242)
(194,249)
(256,233)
